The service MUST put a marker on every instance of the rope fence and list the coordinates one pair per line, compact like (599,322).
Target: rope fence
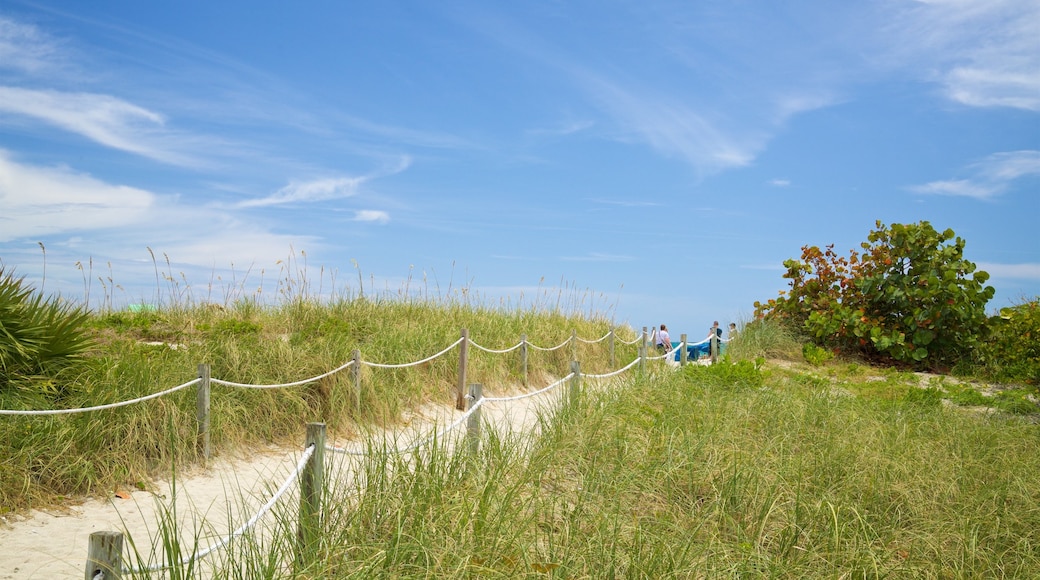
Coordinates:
(105,549)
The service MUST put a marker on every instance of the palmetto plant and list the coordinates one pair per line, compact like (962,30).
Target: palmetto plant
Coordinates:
(38,336)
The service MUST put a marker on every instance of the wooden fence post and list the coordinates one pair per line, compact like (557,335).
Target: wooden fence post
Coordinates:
(575,386)
(460,391)
(104,556)
(714,347)
(312,482)
(610,341)
(574,344)
(202,412)
(476,393)
(523,358)
(355,370)
(642,352)
(682,353)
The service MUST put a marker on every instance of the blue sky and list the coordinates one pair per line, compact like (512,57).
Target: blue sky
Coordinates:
(653,161)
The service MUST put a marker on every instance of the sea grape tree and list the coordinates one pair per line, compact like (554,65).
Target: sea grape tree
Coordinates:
(909,295)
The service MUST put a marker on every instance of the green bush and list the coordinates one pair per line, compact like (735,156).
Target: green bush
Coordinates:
(39,337)
(910,296)
(1012,352)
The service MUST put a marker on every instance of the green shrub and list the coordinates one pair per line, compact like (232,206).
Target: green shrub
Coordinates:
(816,355)
(1012,352)
(38,337)
(910,296)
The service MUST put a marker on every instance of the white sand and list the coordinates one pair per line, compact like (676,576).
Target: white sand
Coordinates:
(53,544)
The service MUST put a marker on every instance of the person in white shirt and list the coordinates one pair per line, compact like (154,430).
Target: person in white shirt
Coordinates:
(664,342)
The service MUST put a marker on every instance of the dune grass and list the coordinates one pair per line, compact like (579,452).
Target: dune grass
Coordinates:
(50,459)
(730,471)
(742,469)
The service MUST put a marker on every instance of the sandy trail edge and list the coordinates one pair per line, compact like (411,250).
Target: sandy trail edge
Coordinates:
(53,544)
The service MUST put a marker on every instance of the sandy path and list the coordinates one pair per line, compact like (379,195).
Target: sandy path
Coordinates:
(53,544)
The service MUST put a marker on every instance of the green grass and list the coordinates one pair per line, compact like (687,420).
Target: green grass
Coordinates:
(52,458)
(820,468)
(730,471)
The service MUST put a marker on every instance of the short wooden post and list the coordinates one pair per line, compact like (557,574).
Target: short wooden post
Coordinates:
(642,352)
(202,411)
(476,393)
(355,371)
(610,343)
(460,391)
(682,353)
(104,556)
(714,342)
(523,359)
(312,482)
(574,344)
(575,386)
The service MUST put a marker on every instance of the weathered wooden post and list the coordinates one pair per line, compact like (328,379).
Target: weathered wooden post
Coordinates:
(714,342)
(523,358)
(574,344)
(476,393)
(642,351)
(104,556)
(460,391)
(355,371)
(575,386)
(202,412)
(312,482)
(682,353)
(610,343)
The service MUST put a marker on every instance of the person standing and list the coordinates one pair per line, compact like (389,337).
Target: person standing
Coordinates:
(664,341)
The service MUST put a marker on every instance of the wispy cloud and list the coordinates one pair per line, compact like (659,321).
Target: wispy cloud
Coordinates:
(372,215)
(986,54)
(38,201)
(104,119)
(324,188)
(675,128)
(25,48)
(989,177)
(1027,271)
(780,182)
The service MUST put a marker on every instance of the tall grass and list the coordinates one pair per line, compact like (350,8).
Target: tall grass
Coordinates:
(141,352)
(703,473)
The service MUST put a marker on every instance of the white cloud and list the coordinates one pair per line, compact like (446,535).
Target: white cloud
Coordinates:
(956,187)
(990,177)
(309,191)
(25,48)
(371,215)
(987,54)
(1028,271)
(780,182)
(101,118)
(38,201)
(325,188)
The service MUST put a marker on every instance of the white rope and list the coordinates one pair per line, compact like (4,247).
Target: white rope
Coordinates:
(557,347)
(526,395)
(300,466)
(614,373)
(665,355)
(418,362)
(280,385)
(100,407)
(633,341)
(600,339)
(418,442)
(503,351)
